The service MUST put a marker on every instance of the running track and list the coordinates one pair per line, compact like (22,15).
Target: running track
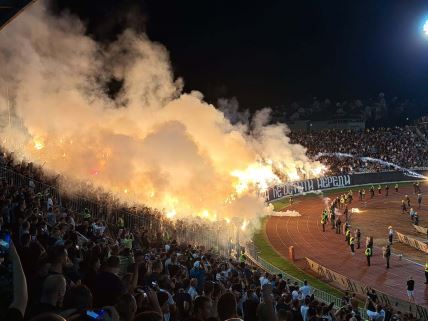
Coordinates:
(330,250)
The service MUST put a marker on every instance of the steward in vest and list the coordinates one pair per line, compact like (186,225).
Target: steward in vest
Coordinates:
(120,223)
(86,214)
(242,258)
(426,273)
(368,253)
(324,218)
(347,235)
(352,244)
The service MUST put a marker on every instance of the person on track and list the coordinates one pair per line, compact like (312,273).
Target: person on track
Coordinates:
(332,218)
(407,200)
(357,234)
(347,233)
(360,192)
(338,225)
(379,189)
(345,212)
(386,190)
(324,218)
(415,190)
(364,194)
(411,289)
(403,207)
(426,272)
(387,254)
(396,188)
(352,244)
(419,200)
(368,253)
(390,234)
(372,191)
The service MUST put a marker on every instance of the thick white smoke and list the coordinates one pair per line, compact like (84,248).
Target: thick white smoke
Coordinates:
(153,143)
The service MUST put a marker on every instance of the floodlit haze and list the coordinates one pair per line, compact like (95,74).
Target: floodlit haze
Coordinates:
(154,143)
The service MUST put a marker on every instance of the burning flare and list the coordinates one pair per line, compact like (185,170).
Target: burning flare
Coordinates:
(152,143)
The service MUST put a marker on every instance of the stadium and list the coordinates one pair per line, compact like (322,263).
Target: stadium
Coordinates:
(125,196)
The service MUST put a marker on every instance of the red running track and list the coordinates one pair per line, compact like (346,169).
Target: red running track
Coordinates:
(330,250)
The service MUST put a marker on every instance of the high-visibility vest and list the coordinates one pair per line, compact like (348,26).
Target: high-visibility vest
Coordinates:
(368,251)
(426,267)
(120,223)
(351,240)
(348,233)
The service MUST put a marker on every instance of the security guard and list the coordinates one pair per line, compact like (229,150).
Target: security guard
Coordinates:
(324,218)
(352,244)
(347,234)
(368,254)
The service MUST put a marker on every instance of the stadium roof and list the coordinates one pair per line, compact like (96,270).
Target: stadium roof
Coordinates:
(9,9)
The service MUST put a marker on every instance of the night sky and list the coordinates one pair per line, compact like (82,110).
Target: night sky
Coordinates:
(269,53)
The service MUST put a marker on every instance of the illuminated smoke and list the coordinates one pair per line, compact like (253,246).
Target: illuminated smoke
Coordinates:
(153,143)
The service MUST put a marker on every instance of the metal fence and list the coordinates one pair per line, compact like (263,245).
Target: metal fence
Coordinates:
(252,253)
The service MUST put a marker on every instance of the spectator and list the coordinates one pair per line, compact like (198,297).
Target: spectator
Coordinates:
(108,287)
(53,292)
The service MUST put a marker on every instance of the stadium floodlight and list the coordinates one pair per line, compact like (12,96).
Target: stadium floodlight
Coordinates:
(425,28)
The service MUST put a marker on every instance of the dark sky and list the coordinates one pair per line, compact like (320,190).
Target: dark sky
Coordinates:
(273,52)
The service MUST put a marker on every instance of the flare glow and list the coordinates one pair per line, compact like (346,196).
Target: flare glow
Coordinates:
(153,143)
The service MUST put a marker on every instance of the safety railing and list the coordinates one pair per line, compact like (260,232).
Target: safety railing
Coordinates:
(323,296)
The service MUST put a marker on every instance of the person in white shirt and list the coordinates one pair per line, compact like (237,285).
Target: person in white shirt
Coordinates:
(305,289)
(304,309)
(192,288)
(263,280)
(295,295)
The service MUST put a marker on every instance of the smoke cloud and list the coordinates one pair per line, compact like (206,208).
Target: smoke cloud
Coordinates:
(153,143)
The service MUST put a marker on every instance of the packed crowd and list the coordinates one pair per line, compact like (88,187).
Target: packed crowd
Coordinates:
(398,145)
(68,265)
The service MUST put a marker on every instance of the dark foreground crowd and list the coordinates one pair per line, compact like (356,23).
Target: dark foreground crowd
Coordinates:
(398,145)
(66,265)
